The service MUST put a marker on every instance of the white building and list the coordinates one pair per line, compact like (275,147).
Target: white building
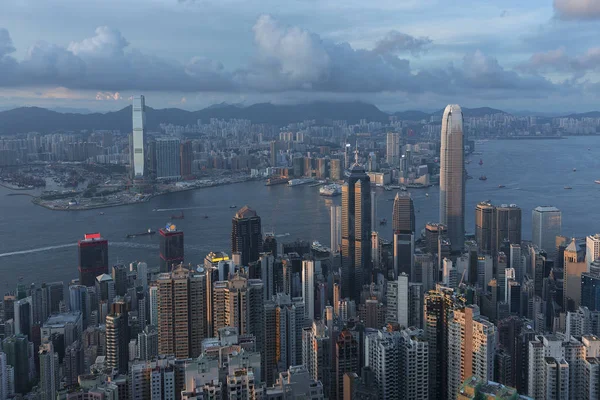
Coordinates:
(471,348)
(309,267)
(398,301)
(592,249)
(138,137)
(393,149)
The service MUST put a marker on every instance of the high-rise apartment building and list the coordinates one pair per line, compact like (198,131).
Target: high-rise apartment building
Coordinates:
(356,231)
(317,353)
(49,373)
(117,336)
(393,149)
(545,227)
(168,162)
(246,235)
(181,312)
(138,140)
(283,328)
(171,247)
(92,258)
(452,176)
(471,348)
(346,360)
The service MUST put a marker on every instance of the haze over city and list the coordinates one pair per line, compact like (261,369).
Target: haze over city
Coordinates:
(539,55)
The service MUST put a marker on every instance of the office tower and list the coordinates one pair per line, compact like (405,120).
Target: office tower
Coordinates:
(574,265)
(335,169)
(270,244)
(49,373)
(93,258)
(545,227)
(432,233)
(246,235)
(507,225)
(283,325)
(398,301)
(4,380)
(452,176)
(403,215)
(393,149)
(267,267)
(471,347)
(23,317)
(590,291)
(404,254)
(138,140)
(119,276)
(317,354)
(516,262)
(449,274)
(117,336)
(375,251)
(40,304)
(181,312)
(186,156)
(336,228)
(494,225)
(373,209)
(79,300)
(274,147)
(592,249)
(438,309)
(105,289)
(346,360)
(484,227)
(356,231)
(168,162)
(171,247)
(73,363)
(147,344)
(309,269)
(16,349)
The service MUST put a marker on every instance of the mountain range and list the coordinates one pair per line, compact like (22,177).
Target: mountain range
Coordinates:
(35,119)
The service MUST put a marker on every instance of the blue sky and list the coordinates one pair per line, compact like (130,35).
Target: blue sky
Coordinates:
(541,55)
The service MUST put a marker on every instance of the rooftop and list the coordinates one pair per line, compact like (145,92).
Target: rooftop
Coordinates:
(245,212)
(546,209)
(60,320)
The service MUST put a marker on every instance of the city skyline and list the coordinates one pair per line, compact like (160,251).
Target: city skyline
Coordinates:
(106,60)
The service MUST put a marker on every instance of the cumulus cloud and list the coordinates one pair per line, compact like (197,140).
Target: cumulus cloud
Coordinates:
(577,9)
(398,42)
(559,61)
(286,59)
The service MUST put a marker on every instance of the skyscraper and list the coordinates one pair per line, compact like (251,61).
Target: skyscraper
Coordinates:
(316,353)
(346,360)
(168,161)
(138,137)
(403,216)
(452,176)
(592,249)
(356,231)
(93,258)
(336,228)
(117,336)
(171,247)
(545,226)
(508,224)
(393,149)
(309,269)
(186,156)
(181,312)
(485,217)
(49,374)
(246,235)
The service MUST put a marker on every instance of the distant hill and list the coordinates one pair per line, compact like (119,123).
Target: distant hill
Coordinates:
(591,114)
(474,112)
(412,115)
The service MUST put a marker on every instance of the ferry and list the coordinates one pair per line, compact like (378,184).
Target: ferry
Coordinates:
(276,181)
(568,187)
(233,206)
(147,233)
(331,190)
(483,178)
(319,248)
(301,181)
(501,186)
(598,181)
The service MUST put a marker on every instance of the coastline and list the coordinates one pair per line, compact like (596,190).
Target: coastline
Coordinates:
(36,200)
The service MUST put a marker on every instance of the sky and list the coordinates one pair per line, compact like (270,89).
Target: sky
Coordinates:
(537,55)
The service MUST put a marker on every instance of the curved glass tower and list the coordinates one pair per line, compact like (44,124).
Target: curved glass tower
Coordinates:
(452,176)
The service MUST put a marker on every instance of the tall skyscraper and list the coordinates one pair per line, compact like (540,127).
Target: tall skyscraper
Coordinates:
(168,162)
(471,348)
(309,269)
(4,379)
(17,356)
(393,149)
(574,266)
(316,353)
(346,360)
(138,138)
(485,218)
(49,373)
(452,176)
(403,215)
(171,247)
(181,312)
(508,224)
(336,228)
(246,235)
(545,227)
(93,258)
(356,231)
(117,336)
(186,157)
(494,225)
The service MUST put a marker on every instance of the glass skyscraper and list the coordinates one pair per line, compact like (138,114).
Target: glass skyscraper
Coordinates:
(168,161)
(136,148)
(545,225)
(452,176)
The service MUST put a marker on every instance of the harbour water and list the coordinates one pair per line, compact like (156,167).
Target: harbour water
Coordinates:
(40,245)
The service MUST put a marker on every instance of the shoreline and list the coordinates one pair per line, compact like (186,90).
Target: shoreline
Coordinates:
(37,202)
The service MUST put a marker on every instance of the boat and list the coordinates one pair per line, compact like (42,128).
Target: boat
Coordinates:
(480,161)
(331,190)
(574,169)
(180,216)
(598,181)
(149,232)
(483,178)
(101,213)
(233,206)
(426,194)
(568,187)
(276,181)
(319,248)
(301,181)
(205,216)
(501,186)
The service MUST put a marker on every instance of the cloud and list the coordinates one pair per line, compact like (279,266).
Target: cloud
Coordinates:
(6,45)
(108,96)
(559,61)
(398,42)
(106,43)
(577,9)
